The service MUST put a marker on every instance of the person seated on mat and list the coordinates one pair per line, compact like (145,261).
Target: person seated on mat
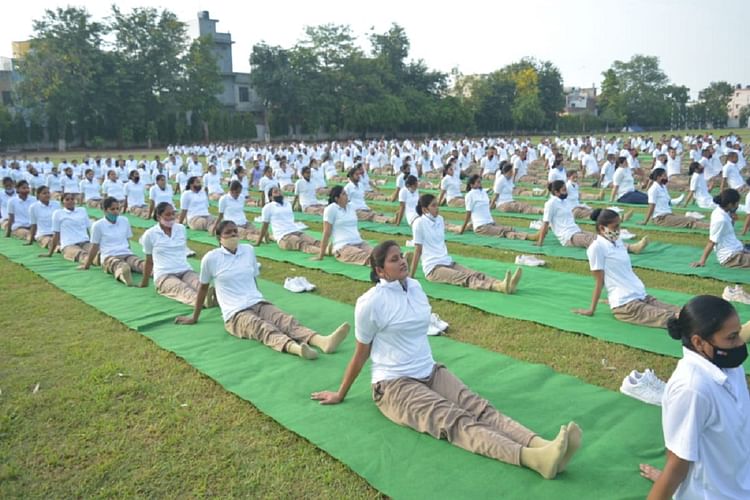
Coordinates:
(478,211)
(503,197)
(659,205)
(450,186)
(6,194)
(558,216)
(165,247)
(40,215)
(135,195)
(110,236)
(341,232)
(623,185)
(194,206)
(581,210)
(699,189)
(266,182)
(411,389)
(233,270)
(610,265)
(429,246)
(705,407)
(305,194)
(17,208)
(232,207)
(355,193)
(212,181)
(408,199)
(70,228)
(113,187)
(279,215)
(161,192)
(730,251)
(91,190)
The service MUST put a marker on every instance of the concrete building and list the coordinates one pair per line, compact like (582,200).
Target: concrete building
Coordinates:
(580,100)
(740,99)
(7,80)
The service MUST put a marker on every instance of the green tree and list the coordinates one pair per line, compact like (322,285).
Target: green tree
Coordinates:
(642,85)
(551,95)
(611,103)
(492,98)
(202,82)
(716,98)
(273,78)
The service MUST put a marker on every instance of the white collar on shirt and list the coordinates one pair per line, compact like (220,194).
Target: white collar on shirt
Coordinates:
(711,370)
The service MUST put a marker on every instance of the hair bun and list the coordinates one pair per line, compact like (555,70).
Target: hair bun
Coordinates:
(674,328)
(595,214)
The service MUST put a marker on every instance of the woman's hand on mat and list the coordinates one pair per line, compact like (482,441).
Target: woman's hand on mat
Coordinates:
(184,320)
(697,264)
(584,312)
(327,397)
(650,472)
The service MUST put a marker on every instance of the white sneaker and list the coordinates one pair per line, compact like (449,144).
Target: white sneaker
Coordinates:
(642,388)
(537,224)
(300,226)
(695,215)
(439,323)
(537,192)
(309,287)
(293,285)
(615,209)
(736,294)
(650,378)
(189,252)
(678,200)
(626,235)
(529,260)
(409,243)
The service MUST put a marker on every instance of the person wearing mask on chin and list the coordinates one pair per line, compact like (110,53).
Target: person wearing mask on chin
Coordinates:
(194,207)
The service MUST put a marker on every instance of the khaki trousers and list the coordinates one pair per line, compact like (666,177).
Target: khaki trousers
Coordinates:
(201,223)
(443,407)
(113,263)
(582,212)
(354,254)
(94,203)
(22,233)
(268,324)
(581,240)
(182,287)
(672,220)
(300,242)
(494,229)
(646,312)
(139,211)
(44,241)
(315,209)
(740,259)
(519,208)
(456,274)
(456,202)
(78,252)
(371,216)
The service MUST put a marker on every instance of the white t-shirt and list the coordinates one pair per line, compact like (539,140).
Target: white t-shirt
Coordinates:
(451,186)
(115,189)
(54,183)
(489,165)
(344,225)
(41,215)
(20,210)
(673,166)
(623,179)
(70,184)
(233,276)
(589,162)
(503,188)
(623,286)
(699,187)
(731,173)
(608,173)
(721,233)
(410,201)
(557,174)
(659,197)
(430,233)
(135,194)
(112,238)
(559,215)
(281,219)
(91,189)
(168,252)
(478,203)
(213,183)
(394,322)
(72,226)
(706,421)
(356,194)
(265,184)
(196,204)
(233,208)
(306,192)
(521,167)
(157,195)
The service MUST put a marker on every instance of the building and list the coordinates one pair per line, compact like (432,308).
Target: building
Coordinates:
(740,99)
(580,100)
(7,79)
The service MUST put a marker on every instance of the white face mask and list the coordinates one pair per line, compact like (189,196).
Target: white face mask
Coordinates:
(611,235)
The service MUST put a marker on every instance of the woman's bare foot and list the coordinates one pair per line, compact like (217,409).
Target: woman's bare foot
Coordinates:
(650,472)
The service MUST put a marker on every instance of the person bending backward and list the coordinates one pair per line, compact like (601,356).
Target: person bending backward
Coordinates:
(110,236)
(233,269)
(232,207)
(165,247)
(623,185)
(558,216)
(135,196)
(161,192)
(356,195)
(280,216)
(659,205)
(305,194)
(194,207)
(437,265)
(17,208)
(503,197)
(341,232)
(411,389)
(705,407)
(581,210)
(91,190)
(478,211)
(70,228)
(450,186)
(40,215)
(408,199)
(730,251)
(699,189)
(610,265)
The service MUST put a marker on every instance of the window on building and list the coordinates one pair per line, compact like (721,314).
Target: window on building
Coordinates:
(244,94)
(7,98)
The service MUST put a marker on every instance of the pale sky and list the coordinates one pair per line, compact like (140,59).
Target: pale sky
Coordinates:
(696,41)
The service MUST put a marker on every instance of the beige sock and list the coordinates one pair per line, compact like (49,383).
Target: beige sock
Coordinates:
(503,286)
(533,237)
(123,274)
(328,344)
(638,247)
(301,350)
(575,437)
(515,280)
(546,460)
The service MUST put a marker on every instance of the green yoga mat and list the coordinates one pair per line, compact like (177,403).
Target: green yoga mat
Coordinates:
(619,433)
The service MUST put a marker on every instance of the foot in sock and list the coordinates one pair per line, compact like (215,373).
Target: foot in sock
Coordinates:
(330,343)
(515,279)
(123,274)
(504,285)
(546,459)
(575,437)
(637,248)
(301,350)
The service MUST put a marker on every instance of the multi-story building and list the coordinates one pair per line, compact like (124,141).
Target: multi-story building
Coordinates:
(580,100)
(740,98)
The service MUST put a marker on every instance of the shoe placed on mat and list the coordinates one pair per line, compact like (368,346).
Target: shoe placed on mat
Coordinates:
(437,325)
(736,294)
(695,215)
(537,224)
(678,200)
(529,260)
(189,252)
(615,209)
(309,287)
(626,235)
(644,387)
(293,285)
(409,243)
(538,192)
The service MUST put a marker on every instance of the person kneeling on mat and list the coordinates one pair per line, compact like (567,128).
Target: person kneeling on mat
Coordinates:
(409,388)
(233,269)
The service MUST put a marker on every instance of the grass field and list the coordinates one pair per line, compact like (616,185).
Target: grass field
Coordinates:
(90,408)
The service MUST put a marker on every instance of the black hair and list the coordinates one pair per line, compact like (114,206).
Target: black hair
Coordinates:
(220,228)
(305,170)
(505,167)
(471,181)
(40,189)
(87,171)
(161,208)
(269,196)
(405,168)
(235,186)
(191,181)
(8,180)
(411,181)
(555,186)
(108,202)
(620,161)
(267,169)
(727,197)
(132,173)
(604,217)
(160,177)
(378,256)
(352,171)
(703,315)
(335,193)
(655,173)
(693,167)
(22,183)
(238,170)
(424,202)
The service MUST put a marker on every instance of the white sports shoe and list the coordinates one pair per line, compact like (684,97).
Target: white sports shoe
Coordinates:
(189,252)
(695,215)
(537,224)
(293,285)
(736,294)
(309,287)
(615,209)
(438,322)
(678,200)
(644,387)
(529,260)
(409,243)
(626,235)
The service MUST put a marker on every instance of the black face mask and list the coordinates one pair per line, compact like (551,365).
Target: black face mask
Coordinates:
(729,358)
(663,182)
(279,199)
(562,196)
(197,188)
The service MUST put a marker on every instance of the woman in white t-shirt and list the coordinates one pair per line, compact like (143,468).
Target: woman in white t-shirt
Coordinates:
(610,265)
(730,251)
(279,215)
(305,194)
(705,409)
(110,237)
(699,190)
(233,269)
(70,228)
(17,210)
(194,207)
(580,209)
(212,181)
(40,214)
(659,205)
(437,265)
(240,175)
(341,231)
(355,192)
(91,190)
(232,207)
(165,247)
(503,197)
(450,186)
(265,183)
(411,389)
(70,183)
(113,187)
(161,192)
(623,185)
(477,204)
(135,196)
(408,199)
(54,183)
